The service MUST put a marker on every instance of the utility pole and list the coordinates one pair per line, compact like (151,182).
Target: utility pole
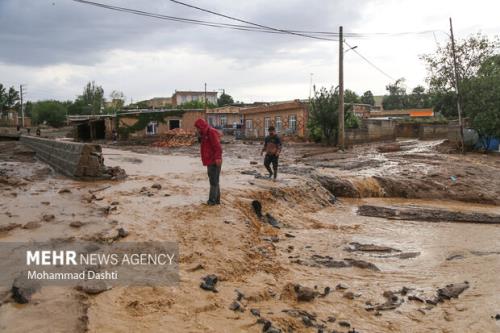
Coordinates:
(341,134)
(459,107)
(310,84)
(22,105)
(205,98)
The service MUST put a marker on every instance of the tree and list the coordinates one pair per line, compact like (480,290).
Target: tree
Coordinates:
(8,98)
(481,99)
(397,98)
(117,101)
(324,116)
(225,99)
(196,105)
(52,112)
(368,98)
(471,53)
(93,97)
(418,98)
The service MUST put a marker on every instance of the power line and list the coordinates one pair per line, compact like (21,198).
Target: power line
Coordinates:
(369,62)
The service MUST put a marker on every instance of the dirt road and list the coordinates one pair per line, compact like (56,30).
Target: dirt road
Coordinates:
(326,268)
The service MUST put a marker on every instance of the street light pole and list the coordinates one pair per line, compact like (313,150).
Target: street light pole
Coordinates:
(341,134)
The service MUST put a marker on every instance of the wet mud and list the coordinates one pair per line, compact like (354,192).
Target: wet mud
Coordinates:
(326,268)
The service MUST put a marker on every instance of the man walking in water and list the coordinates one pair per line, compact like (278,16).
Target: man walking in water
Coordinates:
(272,147)
(211,156)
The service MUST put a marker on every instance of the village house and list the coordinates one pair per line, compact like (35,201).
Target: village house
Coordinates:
(225,117)
(289,118)
(11,118)
(181,97)
(133,124)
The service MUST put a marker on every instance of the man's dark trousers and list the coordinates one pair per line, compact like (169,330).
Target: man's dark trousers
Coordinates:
(213,176)
(271,159)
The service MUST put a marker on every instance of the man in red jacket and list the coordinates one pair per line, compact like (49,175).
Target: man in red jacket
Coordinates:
(211,156)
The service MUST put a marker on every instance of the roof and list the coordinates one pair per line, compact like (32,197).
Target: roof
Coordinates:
(195,93)
(139,111)
(296,104)
(225,109)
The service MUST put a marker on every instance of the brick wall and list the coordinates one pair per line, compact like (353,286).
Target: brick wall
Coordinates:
(70,158)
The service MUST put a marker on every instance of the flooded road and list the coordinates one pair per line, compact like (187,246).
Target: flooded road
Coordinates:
(363,261)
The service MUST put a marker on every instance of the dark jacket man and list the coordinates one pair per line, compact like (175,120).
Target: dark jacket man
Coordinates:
(211,156)
(272,147)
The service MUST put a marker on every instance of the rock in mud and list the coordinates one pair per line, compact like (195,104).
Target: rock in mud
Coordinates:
(344,323)
(236,306)
(48,217)
(156,186)
(32,225)
(122,233)
(64,190)
(76,224)
(209,283)
(257,208)
(362,264)
(348,295)
(341,286)
(255,312)
(304,294)
(23,289)
(93,287)
(272,221)
(452,290)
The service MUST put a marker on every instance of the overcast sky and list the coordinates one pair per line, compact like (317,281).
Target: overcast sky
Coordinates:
(56,46)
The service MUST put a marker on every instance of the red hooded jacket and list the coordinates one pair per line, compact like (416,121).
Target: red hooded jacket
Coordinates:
(210,148)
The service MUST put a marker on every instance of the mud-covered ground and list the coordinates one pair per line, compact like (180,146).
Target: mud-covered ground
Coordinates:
(326,268)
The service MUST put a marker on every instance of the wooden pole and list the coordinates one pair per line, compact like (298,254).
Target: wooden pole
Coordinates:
(341,134)
(459,107)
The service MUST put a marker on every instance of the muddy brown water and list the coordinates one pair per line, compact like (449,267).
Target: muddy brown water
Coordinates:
(231,242)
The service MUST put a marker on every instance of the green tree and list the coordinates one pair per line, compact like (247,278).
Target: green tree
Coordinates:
(368,98)
(481,98)
(51,112)
(196,105)
(419,98)
(397,98)
(93,97)
(8,98)
(117,101)
(225,99)
(471,54)
(323,115)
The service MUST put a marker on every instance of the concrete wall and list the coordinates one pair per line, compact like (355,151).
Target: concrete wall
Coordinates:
(372,130)
(433,131)
(70,158)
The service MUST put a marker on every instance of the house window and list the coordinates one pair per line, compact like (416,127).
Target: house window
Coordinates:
(267,123)
(249,124)
(278,124)
(152,128)
(223,120)
(174,123)
(292,123)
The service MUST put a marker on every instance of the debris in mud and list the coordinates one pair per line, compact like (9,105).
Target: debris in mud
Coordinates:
(389,148)
(272,221)
(156,186)
(327,261)
(115,173)
(93,287)
(236,306)
(209,283)
(302,294)
(253,163)
(257,208)
(196,268)
(427,214)
(32,225)
(497,317)
(348,295)
(23,289)
(48,217)
(88,197)
(9,227)
(341,286)
(64,190)
(369,248)
(452,290)
(402,255)
(454,257)
(344,323)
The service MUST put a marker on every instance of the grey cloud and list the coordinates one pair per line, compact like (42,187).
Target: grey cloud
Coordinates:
(43,32)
